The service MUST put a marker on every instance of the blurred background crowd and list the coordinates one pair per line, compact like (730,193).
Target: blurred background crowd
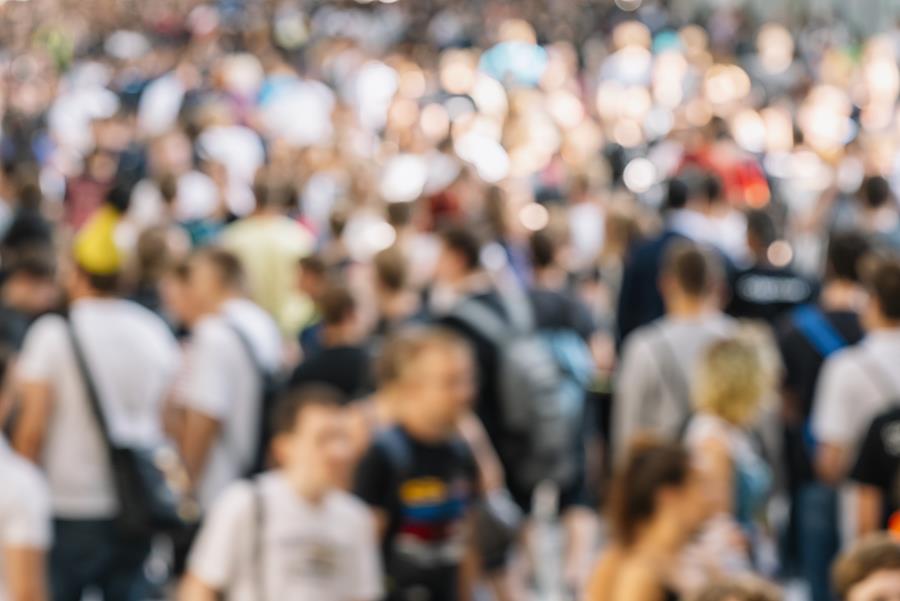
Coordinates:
(450,299)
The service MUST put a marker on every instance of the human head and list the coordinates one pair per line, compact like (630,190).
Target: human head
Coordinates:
(543,249)
(460,255)
(313,276)
(216,275)
(731,381)
(175,291)
(689,274)
(436,375)
(339,314)
(273,191)
(311,442)
(761,233)
(29,283)
(391,271)
(846,251)
(655,482)
(869,571)
(875,192)
(882,280)
(747,588)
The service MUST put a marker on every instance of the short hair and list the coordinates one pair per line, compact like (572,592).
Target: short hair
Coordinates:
(104,284)
(34,263)
(846,251)
(226,264)
(745,588)
(465,243)
(543,249)
(405,346)
(762,227)
(676,195)
(696,269)
(294,401)
(391,268)
(883,283)
(314,264)
(873,554)
(273,190)
(876,191)
(336,304)
(731,380)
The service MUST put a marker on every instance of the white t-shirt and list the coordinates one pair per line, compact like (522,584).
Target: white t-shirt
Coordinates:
(220,380)
(133,359)
(24,507)
(326,552)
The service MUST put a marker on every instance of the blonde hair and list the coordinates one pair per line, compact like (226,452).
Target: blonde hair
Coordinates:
(733,380)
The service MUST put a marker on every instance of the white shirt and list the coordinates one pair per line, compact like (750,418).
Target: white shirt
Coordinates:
(133,359)
(24,507)
(656,372)
(323,552)
(856,384)
(221,381)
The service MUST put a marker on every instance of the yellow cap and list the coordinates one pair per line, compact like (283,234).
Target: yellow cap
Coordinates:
(95,248)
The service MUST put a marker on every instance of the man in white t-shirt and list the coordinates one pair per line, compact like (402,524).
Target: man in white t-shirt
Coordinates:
(291,533)
(653,391)
(221,389)
(132,358)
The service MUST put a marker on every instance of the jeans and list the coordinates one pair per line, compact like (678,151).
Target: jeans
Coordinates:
(818,536)
(91,554)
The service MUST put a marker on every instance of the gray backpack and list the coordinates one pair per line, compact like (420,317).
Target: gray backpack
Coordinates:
(538,412)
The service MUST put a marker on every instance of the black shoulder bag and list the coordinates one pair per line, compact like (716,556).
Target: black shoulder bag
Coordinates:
(151,484)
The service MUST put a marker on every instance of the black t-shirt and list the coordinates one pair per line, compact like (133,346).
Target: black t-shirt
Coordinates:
(347,368)
(766,293)
(878,464)
(426,491)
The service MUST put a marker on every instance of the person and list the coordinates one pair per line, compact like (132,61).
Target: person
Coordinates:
(421,479)
(291,533)
(343,362)
(397,304)
(234,345)
(132,358)
(312,282)
(653,388)
(656,506)
(269,245)
(746,588)
(859,382)
(806,337)
(766,290)
(27,290)
(874,476)
(25,530)
(869,571)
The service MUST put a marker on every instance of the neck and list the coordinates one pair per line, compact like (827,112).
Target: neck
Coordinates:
(339,335)
(662,536)
(686,307)
(306,490)
(423,430)
(225,297)
(397,305)
(551,277)
(843,295)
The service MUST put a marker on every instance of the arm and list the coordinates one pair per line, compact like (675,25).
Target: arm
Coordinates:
(638,584)
(834,422)
(831,463)
(31,426)
(489,467)
(869,509)
(194,589)
(470,567)
(198,437)
(24,574)
(718,471)
(633,385)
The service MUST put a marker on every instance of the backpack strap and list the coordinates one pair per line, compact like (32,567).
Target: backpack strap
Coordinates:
(484,320)
(670,370)
(396,447)
(259,546)
(817,330)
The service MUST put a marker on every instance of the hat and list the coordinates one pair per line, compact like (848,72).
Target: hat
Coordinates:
(95,248)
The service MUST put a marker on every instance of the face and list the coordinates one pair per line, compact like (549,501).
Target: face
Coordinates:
(318,450)
(442,384)
(31,294)
(176,298)
(883,585)
(203,286)
(449,267)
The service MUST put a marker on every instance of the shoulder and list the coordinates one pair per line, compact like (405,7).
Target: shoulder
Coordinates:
(350,508)
(24,481)
(51,325)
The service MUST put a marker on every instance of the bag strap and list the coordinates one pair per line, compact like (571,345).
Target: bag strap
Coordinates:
(817,330)
(670,370)
(249,349)
(258,548)
(90,388)
(484,320)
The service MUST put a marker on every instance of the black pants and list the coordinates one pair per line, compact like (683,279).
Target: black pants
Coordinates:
(91,554)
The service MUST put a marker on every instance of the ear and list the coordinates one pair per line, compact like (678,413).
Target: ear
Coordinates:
(280,449)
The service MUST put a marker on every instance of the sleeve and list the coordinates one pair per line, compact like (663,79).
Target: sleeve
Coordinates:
(41,350)
(227,528)
(872,465)
(26,516)
(205,387)
(833,416)
(373,479)
(367,581)
(633,386)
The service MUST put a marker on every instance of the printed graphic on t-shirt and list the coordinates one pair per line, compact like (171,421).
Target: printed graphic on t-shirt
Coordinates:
(431,519)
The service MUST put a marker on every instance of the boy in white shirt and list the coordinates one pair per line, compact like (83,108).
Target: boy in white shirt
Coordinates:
(291,533)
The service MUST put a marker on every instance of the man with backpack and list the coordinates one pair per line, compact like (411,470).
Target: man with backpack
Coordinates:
(291,533)
(234,348)
(88,382)
(421,478)
(653,387)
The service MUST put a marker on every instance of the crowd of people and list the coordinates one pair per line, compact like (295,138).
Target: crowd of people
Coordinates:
(447,300)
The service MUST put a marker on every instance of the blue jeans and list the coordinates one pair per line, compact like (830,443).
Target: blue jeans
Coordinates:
(818,536)
(91,554)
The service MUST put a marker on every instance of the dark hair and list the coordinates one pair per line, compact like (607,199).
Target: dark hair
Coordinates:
(35,263)
(676,195)
(103,284)
(762,227)
(464,243)
(846,251)
(399,213)
(273,190)
(883,282)
(391,268)
(168,187)
(650,467)
(226,264)
(314,264)
(293,401)
(874,554)
(876,191)
(336,304)
(748,588)
(543,249)
(695,268)
(153,254)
